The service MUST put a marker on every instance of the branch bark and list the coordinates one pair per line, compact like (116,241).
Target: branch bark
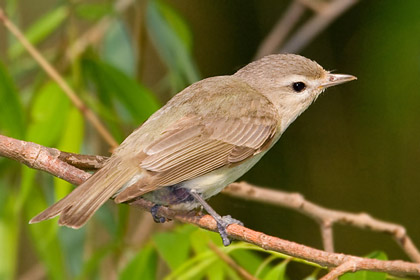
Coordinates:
(47,159)
(323,215)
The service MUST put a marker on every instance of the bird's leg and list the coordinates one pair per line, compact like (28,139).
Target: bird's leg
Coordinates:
(222,222)
(156,217)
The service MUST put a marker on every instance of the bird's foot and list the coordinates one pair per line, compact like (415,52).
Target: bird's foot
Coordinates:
(154,211)
(222,224)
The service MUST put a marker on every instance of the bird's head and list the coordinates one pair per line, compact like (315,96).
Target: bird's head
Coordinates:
(291,82)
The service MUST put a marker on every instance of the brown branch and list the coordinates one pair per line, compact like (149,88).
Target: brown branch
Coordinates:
(84,162)
(231,263)
(325,259)
(323,215)
(42,158)
(327,235)
(53,73)
(340,270)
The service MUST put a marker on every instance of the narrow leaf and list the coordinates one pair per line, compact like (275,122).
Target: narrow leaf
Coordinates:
(40,30)
(11,111)
(114,84)
(142,266)
(118,48)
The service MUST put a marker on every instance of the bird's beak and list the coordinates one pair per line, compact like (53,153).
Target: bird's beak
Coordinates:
(336,79)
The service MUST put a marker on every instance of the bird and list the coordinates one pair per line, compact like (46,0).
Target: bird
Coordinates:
(204,138)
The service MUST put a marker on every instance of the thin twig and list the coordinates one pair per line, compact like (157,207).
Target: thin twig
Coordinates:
(316,24)
(297,202)
(53,73)
(283,26)
(327,235)
(231,263)
(340,270)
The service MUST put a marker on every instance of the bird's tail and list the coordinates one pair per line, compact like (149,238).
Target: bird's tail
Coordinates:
(78,206)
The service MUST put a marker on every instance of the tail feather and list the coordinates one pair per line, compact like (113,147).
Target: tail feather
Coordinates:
(77,207)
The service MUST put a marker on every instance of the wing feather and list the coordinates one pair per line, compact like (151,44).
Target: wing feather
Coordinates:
(206,140)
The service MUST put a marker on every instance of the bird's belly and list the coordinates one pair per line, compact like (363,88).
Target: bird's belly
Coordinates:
(213,182)
(206,185)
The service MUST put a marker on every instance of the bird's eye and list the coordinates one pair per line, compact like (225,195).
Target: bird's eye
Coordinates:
(298,86)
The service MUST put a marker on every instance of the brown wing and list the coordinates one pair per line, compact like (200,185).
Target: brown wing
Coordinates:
(200,143)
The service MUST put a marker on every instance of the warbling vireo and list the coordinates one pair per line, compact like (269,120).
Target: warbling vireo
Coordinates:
(203,139)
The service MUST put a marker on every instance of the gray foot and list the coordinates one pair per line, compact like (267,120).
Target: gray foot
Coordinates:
(154,211)
(222,224)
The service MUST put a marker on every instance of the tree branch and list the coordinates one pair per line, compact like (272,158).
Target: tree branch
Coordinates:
(47,159)
(323,215)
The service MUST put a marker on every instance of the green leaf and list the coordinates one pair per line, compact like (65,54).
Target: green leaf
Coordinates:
(91,265)
(72,245)
(114,84)
(11,112)
(195,268)
(41,29)
(142,266)
(44,235)
(367,275)
(278,272)
(93,11)
(247,259)
(48,115)
(178,24)
(173,51)
(9,232)
(173,247)
(118,48)
(265,266)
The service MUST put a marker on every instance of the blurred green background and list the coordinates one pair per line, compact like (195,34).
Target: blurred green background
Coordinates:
(356,149)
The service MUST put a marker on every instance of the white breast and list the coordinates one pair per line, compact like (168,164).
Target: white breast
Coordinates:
(213,182)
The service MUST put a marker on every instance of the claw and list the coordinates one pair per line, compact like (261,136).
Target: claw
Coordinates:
(154,211)
(222,224)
